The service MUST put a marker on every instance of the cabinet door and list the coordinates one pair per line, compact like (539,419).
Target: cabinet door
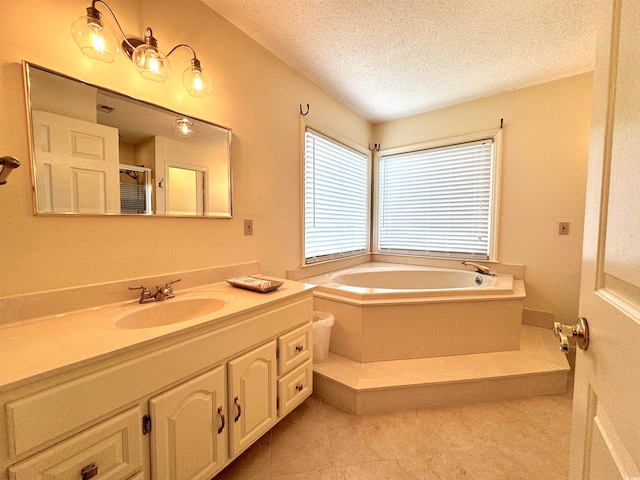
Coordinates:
(188,438)
(252,398)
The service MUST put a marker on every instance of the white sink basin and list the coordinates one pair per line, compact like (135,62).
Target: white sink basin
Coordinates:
(174,310)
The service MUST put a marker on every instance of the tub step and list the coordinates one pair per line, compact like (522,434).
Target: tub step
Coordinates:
(538,368)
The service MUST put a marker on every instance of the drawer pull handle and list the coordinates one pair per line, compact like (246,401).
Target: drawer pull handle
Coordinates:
(89,471)
(221,414)
(299,348)
(237,402)
(299,387)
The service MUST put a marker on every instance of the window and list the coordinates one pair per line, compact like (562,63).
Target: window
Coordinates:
(439,202)
(336,199)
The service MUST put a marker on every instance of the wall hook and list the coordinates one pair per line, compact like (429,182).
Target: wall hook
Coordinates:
(8,164)
(306,113)
(376,147)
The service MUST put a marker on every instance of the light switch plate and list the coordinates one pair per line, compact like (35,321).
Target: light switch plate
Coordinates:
(248,227)
(563,228)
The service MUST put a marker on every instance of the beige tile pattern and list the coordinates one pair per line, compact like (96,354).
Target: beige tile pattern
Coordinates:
(504,440)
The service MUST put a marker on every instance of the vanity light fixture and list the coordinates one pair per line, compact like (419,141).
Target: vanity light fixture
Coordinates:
(98,41)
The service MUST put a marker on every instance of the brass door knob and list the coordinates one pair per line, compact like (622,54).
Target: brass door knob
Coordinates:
(580,330)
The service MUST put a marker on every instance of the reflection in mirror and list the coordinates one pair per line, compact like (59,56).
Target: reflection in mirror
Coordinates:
(95,151)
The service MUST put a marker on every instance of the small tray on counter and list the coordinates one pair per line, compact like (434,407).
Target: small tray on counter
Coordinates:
(256,284)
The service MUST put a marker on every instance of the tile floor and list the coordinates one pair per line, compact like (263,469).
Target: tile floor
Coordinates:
(506,440)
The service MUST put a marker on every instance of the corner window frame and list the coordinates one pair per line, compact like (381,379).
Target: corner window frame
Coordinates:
(494,214)
(327,135)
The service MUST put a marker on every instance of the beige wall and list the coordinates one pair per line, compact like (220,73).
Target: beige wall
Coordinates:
(253,93)
(545,147)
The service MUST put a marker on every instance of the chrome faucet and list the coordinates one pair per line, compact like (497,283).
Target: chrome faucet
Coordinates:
(480,268)
(162,293)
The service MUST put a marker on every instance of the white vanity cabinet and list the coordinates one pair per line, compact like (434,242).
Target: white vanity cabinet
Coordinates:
(209,392)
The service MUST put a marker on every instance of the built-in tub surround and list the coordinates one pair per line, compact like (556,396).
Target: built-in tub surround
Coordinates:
(378,324)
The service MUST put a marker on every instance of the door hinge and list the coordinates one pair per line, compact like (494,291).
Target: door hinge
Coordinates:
(146,424)
(277,352)
(277,403)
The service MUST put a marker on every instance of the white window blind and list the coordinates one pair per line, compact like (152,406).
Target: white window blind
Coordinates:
(437,202)
(336,193)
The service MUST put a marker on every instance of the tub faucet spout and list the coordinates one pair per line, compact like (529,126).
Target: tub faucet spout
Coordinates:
(480,268)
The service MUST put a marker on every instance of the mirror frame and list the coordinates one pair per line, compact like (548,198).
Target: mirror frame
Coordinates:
(26,65)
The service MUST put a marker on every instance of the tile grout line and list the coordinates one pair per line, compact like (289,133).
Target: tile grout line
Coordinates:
(333,456)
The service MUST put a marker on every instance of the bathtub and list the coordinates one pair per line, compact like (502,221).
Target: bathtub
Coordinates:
(390,311)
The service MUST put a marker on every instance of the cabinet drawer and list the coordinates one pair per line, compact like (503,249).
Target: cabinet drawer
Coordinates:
(114,446)
(294,348)
(294,387)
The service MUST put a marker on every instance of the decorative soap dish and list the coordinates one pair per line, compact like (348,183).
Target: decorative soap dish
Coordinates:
(256,284)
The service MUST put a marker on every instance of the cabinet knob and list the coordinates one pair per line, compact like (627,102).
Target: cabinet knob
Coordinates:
(299,348)
(89,471)
(299,387)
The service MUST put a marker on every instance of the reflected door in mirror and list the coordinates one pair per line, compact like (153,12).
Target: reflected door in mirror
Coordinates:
(76,164)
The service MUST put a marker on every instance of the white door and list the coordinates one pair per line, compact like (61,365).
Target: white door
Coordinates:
(189,434)
(605,442)
(252,396)
(77,165)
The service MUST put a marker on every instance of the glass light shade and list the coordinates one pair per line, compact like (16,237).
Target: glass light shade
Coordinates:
(196,81)
(94,39)
(151,63)
(183,127)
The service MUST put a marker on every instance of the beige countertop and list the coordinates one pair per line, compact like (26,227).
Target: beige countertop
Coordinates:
(41,347)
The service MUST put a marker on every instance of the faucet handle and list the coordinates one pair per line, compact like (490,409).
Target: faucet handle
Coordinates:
(168,285)
(167,291)
(140,287)
(146,296)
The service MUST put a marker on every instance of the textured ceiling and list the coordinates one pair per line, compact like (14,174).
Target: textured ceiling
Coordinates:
(388,59)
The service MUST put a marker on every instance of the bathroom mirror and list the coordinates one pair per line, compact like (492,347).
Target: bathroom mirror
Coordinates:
(95,151)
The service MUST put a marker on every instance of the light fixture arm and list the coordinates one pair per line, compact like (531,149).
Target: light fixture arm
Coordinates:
(92,11)
(194,61)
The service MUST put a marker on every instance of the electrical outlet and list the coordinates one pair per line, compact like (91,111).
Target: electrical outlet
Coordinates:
(563,228)
(248,227)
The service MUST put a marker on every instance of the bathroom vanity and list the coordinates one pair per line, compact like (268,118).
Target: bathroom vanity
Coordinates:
(98,392)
